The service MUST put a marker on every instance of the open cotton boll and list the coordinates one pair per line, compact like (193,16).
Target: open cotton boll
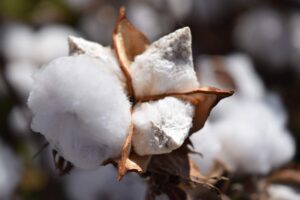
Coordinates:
(80,107)
(18,41)
(102,184)
(51,42)
(253,139)
(10,172)
(19,74)
(205,142)
(166,66)
(161,126)
(280,192)
(80,46)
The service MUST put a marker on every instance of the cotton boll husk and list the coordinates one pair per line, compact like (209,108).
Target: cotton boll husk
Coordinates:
(19,74)
(10,172)
(18,41)
(102,184)
(280,192)
(166,66)
(253,139)
(207,144)
(161,126)
(81,108)
(51,42)
(80,46)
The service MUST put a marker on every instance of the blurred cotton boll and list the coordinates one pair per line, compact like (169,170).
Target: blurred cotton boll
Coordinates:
(51,42)
(280,191)
(10,172)
(240,69)
(102,184)
(207,144)
(81,108)
(99,24)
(262,33)
(18,41)
(253,139)
(19,75)
(250,127)
(148,20)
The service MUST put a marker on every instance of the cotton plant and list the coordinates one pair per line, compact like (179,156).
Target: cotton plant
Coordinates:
(249,132)
(133,106)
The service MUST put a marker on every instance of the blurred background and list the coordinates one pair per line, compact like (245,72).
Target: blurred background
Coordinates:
(33,32)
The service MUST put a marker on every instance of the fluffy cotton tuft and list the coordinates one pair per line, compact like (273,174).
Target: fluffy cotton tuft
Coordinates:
(161,126)
(80,46)
(81,108)
(166,66)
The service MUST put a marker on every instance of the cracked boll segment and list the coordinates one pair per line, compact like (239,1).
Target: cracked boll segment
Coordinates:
(161,126)
(77,103)
(166,66)
(79,46)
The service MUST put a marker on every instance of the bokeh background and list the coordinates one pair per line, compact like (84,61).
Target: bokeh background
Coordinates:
(32,32)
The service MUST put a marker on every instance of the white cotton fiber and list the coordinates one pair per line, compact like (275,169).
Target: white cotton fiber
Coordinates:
(253,138)
(205,142)
(283,192)
(80,46)
(102,184)
(10,172)
(161,126)
(80,107)
(19,74)
(166,66)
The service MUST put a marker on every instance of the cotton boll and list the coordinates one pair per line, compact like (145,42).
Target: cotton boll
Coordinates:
(166,66)
(205,142)
(51,42)
(19,74)
(102,184)
(10,172)
(253,139)
(19,120)
(80,107)
(18,41)
(161,126)
(80,46)
(263,34)
(280,192)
